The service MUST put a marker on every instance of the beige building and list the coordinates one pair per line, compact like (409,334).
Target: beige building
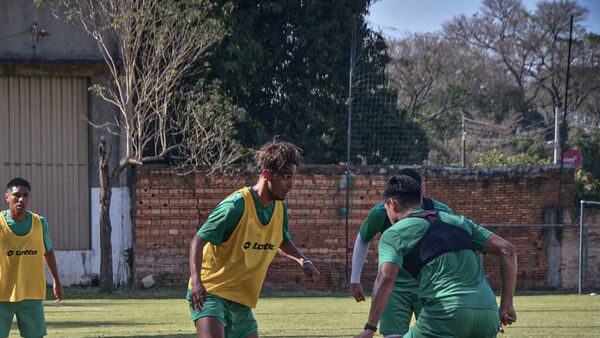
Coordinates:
(46,68)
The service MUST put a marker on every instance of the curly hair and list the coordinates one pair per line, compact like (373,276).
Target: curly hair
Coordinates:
(277,154)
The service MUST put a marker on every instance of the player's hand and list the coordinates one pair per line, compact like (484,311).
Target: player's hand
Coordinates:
(357,292)
(508,315)
(365,334)
(310,270)
(58,292)
(199,295)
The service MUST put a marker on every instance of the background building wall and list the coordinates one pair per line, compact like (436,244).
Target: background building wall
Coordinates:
(63,50)
(169,209)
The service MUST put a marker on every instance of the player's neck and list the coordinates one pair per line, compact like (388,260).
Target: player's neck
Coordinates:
(405,212)
(17,216)
(262,192)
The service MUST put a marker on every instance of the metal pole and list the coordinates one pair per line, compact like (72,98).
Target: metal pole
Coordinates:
(563,137)
(580,243)
(464,142)
(556,135)
(349,138)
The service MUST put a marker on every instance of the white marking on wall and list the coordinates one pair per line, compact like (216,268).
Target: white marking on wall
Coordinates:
(80,267)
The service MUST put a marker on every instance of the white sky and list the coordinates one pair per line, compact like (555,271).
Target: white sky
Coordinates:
(402,17)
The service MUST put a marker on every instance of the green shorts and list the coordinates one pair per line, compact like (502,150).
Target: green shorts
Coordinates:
(459,323)
(237,319)
(397,315)
(30,318)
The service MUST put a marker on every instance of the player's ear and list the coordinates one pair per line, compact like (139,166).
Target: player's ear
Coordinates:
(265,173)
(393,204)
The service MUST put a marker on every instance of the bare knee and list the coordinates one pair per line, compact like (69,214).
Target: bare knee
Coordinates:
(209,327)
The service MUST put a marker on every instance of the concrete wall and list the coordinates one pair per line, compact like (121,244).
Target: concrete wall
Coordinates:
(169,209)
(65,42)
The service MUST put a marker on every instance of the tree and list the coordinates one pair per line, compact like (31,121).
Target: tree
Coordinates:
(382,132)
(501,65)
(440,80)
(159,116)
(533,47)
(287,64)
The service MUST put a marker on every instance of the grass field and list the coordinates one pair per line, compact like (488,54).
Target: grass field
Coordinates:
(134,314)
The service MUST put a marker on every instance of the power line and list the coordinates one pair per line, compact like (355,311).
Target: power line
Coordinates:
(14,35)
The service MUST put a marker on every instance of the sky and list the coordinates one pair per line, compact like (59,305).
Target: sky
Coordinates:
(401,17)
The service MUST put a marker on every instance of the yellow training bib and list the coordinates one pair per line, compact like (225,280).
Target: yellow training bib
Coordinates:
(22,273)
(236,269)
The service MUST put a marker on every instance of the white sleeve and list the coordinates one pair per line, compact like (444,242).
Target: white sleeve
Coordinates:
(359,254)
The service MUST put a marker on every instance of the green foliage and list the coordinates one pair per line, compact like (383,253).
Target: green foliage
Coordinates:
(210,129)
(587,187)
(588,177)
(287,64)
(588,142)
(495,158)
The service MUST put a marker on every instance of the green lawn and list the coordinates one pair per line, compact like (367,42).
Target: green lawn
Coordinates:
(86,314)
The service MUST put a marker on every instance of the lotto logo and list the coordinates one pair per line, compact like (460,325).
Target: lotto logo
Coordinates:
(21,252)
(258,246)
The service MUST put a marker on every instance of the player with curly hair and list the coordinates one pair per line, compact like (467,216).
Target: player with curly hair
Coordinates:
(230,254)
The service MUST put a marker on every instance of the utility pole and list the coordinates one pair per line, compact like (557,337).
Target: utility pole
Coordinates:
(464,142)
(556,135)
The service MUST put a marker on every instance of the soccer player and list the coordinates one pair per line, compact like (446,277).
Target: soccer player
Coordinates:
(231,252)
(404,300)
(24,246)
(438,249)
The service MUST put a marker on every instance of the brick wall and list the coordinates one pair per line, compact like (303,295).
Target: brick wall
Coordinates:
(169,209)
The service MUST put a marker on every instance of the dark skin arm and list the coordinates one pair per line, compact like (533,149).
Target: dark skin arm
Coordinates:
(507,253)
(291,251)
(53,268)
(384,285)
(195,260)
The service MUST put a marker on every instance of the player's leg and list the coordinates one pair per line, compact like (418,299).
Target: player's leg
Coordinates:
(458,322)
(30,318)
(210,322)
(209,327)
(485,323)
(396,317)
(242,322)
(431,323)
(7,314)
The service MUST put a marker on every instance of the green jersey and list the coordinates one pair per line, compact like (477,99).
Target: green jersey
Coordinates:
(452,280)
(227,214)
(376,222)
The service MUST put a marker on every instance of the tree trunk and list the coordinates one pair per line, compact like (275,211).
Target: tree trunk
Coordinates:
(106,267)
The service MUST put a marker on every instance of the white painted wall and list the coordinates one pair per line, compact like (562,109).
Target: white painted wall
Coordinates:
(79,267)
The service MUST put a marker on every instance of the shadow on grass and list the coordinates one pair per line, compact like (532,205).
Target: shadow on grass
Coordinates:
(121,293)
(193,335)
(87,324)
(65,304)
(179,293)
(570,310)
(170,335)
